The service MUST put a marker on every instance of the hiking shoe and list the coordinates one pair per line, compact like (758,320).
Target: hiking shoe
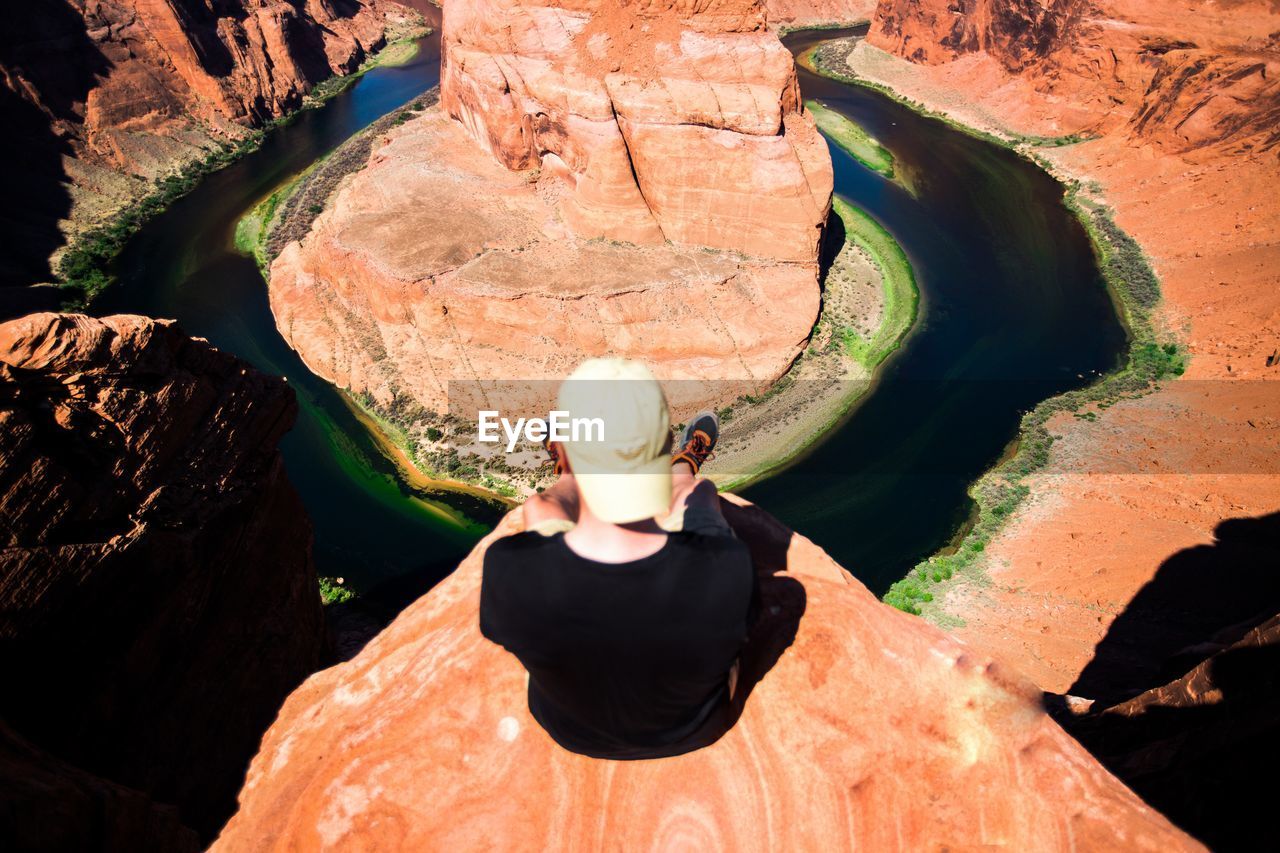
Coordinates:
(698,440)
(553,450)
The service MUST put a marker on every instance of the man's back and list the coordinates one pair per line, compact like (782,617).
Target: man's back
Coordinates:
(625,660)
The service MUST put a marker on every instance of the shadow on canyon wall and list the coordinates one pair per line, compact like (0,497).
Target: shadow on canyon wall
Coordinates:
(1198,649)
(1201,600)
(48,65)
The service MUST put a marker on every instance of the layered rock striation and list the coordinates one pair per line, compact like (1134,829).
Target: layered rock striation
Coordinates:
(862,727)
(665,120)
(639,181)
(439,277)
(1151,531)
(157,595)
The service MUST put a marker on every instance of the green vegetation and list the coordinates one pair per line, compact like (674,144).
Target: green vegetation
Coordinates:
(86,266)
(334,591)
(1149,360)
(852,138)
(254,227)
(901,294)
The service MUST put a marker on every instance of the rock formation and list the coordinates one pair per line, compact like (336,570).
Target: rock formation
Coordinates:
(1176,74)
(157,593)
(1195,747)
(437,273)
(665,120)
(102,96)
(862,728)
(50,805)
(808,13)
(640,181)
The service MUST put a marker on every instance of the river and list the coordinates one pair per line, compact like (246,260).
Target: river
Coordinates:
(1013,310)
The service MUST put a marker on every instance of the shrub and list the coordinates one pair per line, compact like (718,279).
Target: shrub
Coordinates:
(334,591)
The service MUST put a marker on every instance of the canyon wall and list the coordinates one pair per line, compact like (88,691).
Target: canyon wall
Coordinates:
(858,727)
(100,97)
(665,119)
(157,595)
(1181,74)
(808,13)
(1194,746)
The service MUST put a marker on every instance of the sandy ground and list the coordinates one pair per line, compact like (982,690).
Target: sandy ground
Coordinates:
(1154,477)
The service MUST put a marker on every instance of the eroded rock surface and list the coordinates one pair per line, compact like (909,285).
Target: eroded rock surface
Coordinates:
(1153,496)
(157,595)
(1195,747)
(664,120)
(863,728)
(102,96)
(437,269)
(1179,74)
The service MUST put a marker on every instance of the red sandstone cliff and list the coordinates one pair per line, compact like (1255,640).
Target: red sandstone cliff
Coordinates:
(1195,747)
(157,595)
(805,13)
(1184,75)
(665,119)
(636,180)
(862,728)
(101,96)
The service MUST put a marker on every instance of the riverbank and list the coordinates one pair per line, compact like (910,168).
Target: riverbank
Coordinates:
(85,266)
(1107,488)
(869,303)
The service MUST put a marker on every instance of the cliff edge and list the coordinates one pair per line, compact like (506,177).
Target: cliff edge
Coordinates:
(664,120)
(157,595)
(862,727)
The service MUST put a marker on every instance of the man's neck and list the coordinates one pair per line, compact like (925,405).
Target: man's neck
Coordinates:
(614,543)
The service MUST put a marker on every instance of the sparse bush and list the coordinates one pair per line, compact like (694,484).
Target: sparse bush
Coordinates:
(335,590)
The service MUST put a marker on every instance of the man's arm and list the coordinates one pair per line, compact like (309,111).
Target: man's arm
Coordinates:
(553,510)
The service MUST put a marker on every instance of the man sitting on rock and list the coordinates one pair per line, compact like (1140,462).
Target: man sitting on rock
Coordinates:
(630,631)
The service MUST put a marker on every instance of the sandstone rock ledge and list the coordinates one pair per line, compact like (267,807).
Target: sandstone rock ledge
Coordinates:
(863,728)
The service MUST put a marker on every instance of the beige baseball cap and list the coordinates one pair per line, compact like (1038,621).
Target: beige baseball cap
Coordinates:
(623,471)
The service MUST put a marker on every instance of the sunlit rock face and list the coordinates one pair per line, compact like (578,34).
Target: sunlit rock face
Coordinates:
(101,98)
(132,83)
(665,119)
(862,728)
(439,277)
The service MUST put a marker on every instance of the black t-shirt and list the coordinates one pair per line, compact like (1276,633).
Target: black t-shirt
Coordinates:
(625,660)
